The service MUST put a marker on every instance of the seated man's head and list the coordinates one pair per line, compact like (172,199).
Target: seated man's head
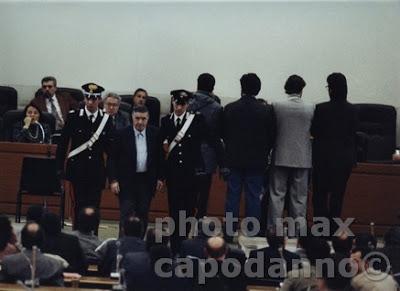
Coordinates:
(51,223)
(207,227)
(140,117)
(49,86)
(112,102)
(32,235)
(294,85)
(336,276)
(251,84)
(139,97)
(216,248)
(365,240)
(6,232)
(35,213)
(392,237)
(317,249)
(206,82)
(342,244)
(133,226)
(88,220)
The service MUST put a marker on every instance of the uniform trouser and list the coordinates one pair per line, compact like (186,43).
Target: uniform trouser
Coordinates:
(85,194)
(181,197)
(253,182)
(329,186)
(134,199)
(203,186)
(294,183)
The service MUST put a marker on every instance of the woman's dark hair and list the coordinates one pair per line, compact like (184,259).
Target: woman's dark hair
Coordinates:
(294,84)
(34,106)
(5,230)
(138,90)
(337,85)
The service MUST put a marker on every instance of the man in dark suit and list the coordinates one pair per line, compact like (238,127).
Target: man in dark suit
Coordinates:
(130,242)
(64,245)
(182,134)
(248,133)
(90,133)
(119,119)
(334,130)
(134,166)
(56,103)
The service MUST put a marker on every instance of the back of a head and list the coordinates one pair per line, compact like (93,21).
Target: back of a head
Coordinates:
(32,235)
(35,213)
(206,227)
(5,231)
(88,220)
(274,240)
(206,82)
(133,226)
(251,84)
(51,223)
(342,244)
(294,85)
(337,85)
(317,249)
(338,278)
(216,248)
(392,237)
(365,240)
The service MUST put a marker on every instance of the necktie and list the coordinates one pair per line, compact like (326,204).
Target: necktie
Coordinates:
(91,117)
(178,123)
(59,122)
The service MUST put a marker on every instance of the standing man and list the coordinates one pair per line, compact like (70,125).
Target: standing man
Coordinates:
(334,130)
(134,166)
(49,100)
(182,133)
(291,160)
(248,134)
(89,131)
(204,101)
(119,119)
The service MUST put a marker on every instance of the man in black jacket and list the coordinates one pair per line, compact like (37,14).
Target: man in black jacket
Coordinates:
(334,130)
(134,166)
(248,134)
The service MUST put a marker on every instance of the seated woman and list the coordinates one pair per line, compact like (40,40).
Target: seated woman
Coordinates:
(30,130)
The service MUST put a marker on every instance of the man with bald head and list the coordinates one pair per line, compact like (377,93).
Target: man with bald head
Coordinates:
(17,267)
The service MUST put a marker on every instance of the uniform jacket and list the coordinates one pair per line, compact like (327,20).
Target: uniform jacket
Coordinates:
(121,163)
(89,164)
(186,157)
(66,102)
(211,150)
(248,131)
(293,139)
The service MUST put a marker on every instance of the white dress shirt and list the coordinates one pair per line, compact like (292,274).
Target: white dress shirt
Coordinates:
(56,104)
(180,116)
(141,151)
(88,113)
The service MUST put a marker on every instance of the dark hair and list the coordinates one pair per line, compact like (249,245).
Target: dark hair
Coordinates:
(274,241)
(294,84)
(30,238)
(392,237)
(48,79)
(35,213)
(205,223)
(342,245)
(337,85)
(206,82)
(155,237)
(5,230)
(31,104)
(138,90)
(338,281)
(251,84)
(365,240)
(317,249)
(88,222)
(51,223)
(133,226)
(139,109)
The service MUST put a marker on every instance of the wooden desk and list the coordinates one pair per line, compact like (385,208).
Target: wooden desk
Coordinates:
(261,288)
(373,192)
(92,281)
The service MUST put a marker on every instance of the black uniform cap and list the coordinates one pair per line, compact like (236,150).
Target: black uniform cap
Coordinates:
(181,96)
(92,91)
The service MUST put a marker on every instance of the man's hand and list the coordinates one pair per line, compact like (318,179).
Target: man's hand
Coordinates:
(27,122)
(114,186)
(160,185)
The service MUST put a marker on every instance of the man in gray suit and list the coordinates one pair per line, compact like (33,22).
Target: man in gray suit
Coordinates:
(291,158)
